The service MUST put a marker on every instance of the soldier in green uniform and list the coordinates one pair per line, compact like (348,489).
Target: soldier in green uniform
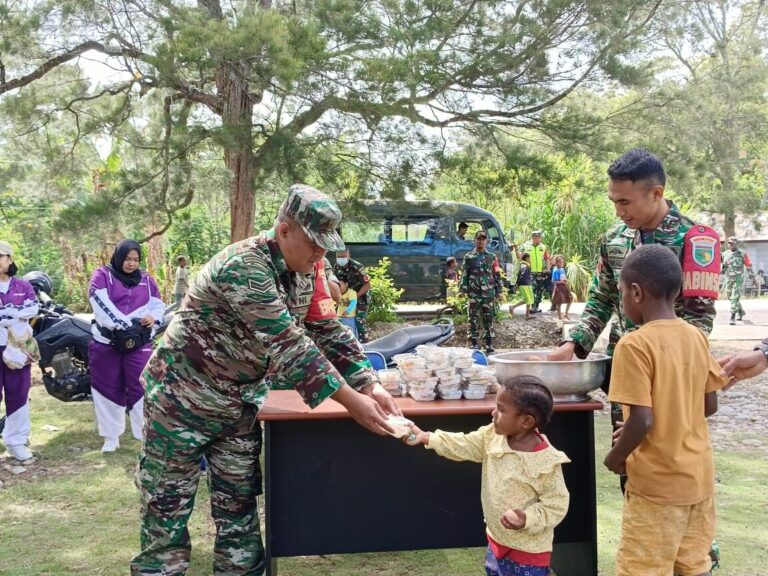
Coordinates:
(243,315)
(481,282)
(353,273)
(636,188)
(735,265)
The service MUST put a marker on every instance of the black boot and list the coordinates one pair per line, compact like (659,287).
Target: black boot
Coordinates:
(733,319)
(741,315)
(473,344)
(489,349)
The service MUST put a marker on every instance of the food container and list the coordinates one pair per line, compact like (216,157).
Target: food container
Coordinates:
(472,371)
(463,363)
(445,373)
(474,393)
(450,394)
(569,381)
(421,396)
(389,377)
(417,373)
(454,380)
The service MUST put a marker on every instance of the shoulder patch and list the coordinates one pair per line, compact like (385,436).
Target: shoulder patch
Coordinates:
(701,263)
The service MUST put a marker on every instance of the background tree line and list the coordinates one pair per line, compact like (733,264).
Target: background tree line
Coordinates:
(182,123)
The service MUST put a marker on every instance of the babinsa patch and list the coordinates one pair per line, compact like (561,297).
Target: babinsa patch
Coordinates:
(701,263)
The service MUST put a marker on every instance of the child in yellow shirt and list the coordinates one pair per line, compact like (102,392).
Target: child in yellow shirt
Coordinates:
(523,492)
(346,309)
(666,380)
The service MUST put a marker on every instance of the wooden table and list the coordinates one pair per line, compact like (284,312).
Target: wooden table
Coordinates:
(334,488)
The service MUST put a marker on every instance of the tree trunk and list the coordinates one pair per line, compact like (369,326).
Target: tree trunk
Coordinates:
(238,152)
(729,224)
(237,121)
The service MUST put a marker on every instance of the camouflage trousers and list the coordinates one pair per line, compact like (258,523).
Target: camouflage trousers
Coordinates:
(478,309)
(540,287)
(167,479)
(733,287)
(361,321)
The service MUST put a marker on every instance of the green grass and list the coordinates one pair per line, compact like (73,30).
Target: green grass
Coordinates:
(76,511)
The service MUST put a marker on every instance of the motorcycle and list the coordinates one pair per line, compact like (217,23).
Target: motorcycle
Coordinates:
(406,339)
(63,340)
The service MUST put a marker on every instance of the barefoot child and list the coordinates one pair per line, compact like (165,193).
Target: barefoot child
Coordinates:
(666,379)
(561,293)
(524,286)
(523,492)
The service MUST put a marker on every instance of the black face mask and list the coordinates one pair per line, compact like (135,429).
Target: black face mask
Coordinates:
(121,252)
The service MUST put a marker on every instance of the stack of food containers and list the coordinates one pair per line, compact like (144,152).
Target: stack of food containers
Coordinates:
(449,372)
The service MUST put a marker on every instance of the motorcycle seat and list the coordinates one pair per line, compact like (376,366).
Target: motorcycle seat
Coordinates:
(82,324)
(406,339)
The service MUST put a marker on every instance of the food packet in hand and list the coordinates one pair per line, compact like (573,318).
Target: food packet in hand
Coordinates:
(400,425)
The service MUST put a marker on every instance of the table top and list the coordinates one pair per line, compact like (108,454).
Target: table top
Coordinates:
(288,405)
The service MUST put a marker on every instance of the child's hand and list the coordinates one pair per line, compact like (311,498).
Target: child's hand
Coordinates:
(614,465)
(513,519)
(416,437)
(617,430)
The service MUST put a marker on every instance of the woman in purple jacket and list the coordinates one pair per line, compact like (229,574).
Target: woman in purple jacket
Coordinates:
(127,309)
(17,305)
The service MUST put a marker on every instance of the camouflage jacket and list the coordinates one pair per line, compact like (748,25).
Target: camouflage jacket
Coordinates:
(353,274)
(604,299)
(481,276)
(734,263)
(243,316)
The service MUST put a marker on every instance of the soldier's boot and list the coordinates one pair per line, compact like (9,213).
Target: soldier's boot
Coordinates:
(473,344)
(733,319)
(741,314)
(489,349)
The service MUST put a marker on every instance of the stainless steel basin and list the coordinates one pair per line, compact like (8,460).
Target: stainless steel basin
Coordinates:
(568,381)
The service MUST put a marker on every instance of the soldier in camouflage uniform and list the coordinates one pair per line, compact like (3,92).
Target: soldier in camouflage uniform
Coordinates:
(244,314)
(735,264)
(637,190)
(353,273)
(481,282)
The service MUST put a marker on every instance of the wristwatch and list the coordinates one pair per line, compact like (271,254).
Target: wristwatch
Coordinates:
(763,347)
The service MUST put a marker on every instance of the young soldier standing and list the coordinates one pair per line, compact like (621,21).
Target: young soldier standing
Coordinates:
(636,188)
(481,282)
(735,264)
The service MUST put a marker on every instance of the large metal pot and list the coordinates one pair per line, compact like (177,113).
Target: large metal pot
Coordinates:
(569,381)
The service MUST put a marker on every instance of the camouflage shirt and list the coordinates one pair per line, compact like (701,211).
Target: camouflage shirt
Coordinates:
(481,279)
(353,273)
(242,318)
(604,299)
(734,262)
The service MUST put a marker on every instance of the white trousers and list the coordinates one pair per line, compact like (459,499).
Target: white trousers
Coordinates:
(110,417)
(17,427)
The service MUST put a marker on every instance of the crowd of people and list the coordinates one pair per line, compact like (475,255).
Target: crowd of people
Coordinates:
(270,311)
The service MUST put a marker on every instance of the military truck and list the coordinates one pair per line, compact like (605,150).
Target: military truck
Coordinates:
(418,237)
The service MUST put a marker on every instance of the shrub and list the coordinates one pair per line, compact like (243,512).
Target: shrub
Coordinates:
(384,295)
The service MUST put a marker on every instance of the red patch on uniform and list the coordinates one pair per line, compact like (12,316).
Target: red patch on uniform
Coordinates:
(322,306)
(495,264)
(701,263)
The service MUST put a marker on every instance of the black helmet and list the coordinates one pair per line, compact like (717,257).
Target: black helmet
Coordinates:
(40,281)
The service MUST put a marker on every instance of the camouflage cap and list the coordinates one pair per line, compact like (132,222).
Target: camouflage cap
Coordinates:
(733,239)
(536,233)
(317,214)
(481,233)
